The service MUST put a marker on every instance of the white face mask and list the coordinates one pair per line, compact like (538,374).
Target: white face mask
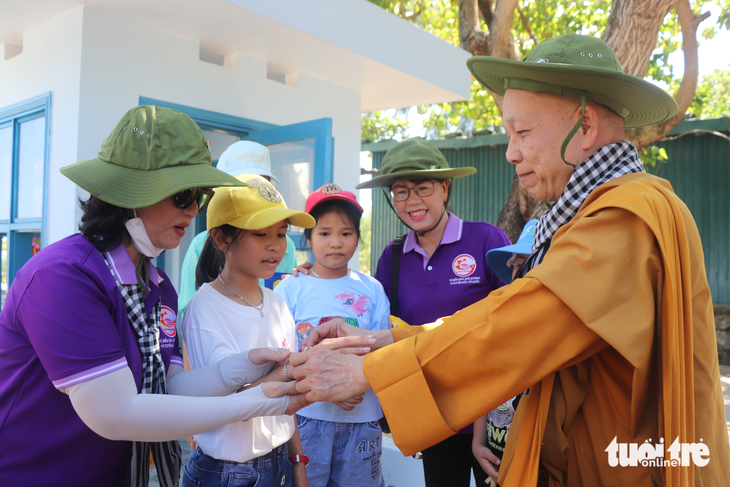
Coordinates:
(140,239)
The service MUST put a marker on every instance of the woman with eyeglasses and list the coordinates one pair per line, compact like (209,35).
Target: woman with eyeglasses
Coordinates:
(442,268)
(91,376)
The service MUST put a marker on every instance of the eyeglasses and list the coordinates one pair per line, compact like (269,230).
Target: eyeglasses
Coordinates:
(186,198)
(422,189)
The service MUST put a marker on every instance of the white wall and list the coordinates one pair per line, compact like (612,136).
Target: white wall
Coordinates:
(51,61)
(122,60)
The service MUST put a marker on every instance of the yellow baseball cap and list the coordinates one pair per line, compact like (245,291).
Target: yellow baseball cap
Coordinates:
(254,207)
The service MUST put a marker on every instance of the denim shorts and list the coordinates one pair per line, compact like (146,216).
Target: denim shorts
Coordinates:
(270,470)
(342,454)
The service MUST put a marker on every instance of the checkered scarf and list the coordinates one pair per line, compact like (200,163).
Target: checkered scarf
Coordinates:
(607,163)
(166,455)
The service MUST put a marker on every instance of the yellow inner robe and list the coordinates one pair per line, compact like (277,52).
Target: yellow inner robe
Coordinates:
(613,332)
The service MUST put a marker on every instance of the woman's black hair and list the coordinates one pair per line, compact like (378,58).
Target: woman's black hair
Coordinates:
(212,259)
(347,211)
(103,223)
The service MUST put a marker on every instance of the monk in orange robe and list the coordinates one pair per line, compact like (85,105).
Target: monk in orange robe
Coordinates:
(610,323)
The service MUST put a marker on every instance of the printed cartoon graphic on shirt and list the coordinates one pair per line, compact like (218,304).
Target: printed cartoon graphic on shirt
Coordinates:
(355,302)
(464,267)
(498,422)
(304,329)
(168,326)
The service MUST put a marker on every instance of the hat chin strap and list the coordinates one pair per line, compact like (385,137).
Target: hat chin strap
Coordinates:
(418,232)
(575,128)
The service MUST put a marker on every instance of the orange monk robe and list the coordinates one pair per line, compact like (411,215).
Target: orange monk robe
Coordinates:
(614,333)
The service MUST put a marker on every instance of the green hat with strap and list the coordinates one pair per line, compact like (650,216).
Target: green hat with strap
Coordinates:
(572,64)
(414,159)
(152,154)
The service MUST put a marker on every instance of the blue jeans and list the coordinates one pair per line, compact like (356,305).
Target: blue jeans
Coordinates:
(270,470)
(342,454)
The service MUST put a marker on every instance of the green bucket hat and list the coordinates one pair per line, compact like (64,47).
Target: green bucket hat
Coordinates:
(152,154)
(414,159)
(571,64)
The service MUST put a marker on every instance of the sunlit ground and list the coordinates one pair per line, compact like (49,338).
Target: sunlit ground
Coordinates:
(725,379)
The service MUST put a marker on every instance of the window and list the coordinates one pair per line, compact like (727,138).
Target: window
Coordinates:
(24,132)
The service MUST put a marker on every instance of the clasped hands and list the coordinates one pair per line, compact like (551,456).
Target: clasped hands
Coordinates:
(329,368)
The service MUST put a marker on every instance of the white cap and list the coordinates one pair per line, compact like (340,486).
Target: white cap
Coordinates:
(246,157)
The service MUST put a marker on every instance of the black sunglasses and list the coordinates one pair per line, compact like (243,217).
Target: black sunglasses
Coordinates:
(186,198)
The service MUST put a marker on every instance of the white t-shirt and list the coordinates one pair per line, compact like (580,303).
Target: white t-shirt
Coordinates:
(216,327)
(356,298)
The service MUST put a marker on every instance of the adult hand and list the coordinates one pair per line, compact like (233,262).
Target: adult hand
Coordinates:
(277,389)
(488,461)
(326,375)
(337,329)
(303,268)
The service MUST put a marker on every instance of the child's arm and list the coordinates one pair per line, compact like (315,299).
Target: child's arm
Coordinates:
(488,460)
(299,474)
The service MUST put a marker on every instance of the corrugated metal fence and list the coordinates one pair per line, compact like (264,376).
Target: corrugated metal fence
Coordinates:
(698,169)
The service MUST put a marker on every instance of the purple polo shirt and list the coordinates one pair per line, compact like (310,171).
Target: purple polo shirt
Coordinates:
(63,323)
(455,276)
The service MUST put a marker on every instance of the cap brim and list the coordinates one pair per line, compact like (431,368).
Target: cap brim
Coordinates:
(269,216)
(387,179)
(133,188)
(646,104)
(497,260)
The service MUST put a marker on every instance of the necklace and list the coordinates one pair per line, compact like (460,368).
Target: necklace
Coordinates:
(257,308)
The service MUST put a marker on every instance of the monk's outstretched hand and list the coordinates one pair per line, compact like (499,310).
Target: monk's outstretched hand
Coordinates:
(327,375)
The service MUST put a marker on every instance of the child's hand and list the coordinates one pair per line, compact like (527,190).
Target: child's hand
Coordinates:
(303,268)
(350,404)
(259,356)
(488,461)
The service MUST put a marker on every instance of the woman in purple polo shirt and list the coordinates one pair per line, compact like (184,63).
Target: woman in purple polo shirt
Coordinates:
(88,336)
(443,268)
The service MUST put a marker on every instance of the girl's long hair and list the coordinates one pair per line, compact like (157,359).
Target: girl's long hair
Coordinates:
(347,211)
(212,259)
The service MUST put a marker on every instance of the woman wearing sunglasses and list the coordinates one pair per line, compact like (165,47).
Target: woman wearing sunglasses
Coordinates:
(91,377)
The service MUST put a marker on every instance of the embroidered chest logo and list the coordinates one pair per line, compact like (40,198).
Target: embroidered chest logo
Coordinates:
(356,303)
(168,321)
(464,265)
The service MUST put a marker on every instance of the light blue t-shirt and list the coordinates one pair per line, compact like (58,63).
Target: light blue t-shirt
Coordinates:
(356,298)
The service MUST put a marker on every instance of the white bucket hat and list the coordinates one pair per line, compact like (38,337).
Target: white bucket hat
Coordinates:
(246,157)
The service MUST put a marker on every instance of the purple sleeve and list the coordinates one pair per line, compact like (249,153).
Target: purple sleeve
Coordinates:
(68,319)
(383,271)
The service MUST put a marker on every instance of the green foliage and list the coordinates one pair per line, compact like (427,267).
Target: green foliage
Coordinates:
(379,125)
(712,97)
(366,233)
(652,155)
(542,19)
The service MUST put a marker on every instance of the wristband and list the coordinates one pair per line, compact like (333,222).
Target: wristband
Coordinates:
(299,459)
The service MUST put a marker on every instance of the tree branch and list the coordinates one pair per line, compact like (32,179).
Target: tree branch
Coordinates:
(471,37)
(500,30)
(642,137)
(526,24)
(486,8)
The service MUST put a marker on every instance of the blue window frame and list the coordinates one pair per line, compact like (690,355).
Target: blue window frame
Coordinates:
(24,142)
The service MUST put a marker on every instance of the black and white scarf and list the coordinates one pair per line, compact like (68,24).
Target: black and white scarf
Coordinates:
(607,163)
(166,455)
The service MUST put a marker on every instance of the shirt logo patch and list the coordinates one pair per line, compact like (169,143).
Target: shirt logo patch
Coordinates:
(168,321)
(464,265)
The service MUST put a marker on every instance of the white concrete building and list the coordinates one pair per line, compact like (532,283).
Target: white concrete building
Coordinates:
(292,74)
